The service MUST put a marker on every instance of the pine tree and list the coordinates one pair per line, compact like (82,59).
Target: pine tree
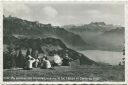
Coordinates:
(20,59)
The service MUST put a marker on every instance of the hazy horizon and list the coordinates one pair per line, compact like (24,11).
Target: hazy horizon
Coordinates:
(65,14)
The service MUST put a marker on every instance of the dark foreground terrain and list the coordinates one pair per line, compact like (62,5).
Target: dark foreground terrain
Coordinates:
(67,73)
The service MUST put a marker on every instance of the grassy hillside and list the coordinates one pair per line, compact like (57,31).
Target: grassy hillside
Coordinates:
(77,73)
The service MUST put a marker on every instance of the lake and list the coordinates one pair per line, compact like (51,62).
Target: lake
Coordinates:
(110,57)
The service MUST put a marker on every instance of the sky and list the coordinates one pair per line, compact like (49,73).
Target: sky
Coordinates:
(66,13)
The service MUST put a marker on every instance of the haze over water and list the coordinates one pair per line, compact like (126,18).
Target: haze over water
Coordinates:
(110,57)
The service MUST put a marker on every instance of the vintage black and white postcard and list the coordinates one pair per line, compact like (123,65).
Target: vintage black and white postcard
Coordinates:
(63,41)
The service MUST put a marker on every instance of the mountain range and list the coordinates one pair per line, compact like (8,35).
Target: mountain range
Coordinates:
(47,39)
(66,39)
(100,35)
(23,28)
(92,36)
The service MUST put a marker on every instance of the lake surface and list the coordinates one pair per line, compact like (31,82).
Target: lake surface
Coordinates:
(110,57)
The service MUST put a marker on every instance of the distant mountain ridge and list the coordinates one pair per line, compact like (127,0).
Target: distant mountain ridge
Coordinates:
(93,36)
(93,26)
(23,28)
(23,34)
(101,35)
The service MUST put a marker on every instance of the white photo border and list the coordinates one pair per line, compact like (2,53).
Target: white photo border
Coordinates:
(65,1)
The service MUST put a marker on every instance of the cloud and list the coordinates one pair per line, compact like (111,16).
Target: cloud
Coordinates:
(101,16)
(67,19)
(17,10)
(49,12)
(45,14)
(61,15)
(93,12)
